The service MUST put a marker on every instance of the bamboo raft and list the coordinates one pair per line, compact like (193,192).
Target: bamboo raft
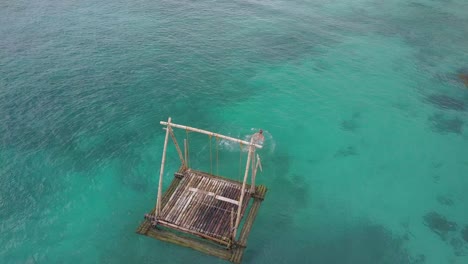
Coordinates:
(203,211)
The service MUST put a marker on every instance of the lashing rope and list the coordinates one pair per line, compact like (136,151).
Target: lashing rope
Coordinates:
(217,159)
(188,148)
(240,160)
(211,157)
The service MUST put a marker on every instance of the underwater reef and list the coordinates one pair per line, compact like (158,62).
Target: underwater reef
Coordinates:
(439,224)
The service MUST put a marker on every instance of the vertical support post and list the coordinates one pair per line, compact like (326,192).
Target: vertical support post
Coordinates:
(254,171)
(161,172)
(254,174)
(239,207)
(185,152)
(232,225)
(177,146)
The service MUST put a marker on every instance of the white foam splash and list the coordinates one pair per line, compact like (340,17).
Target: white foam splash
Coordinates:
(269,143)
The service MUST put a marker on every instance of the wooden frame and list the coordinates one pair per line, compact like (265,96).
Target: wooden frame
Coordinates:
(157,224)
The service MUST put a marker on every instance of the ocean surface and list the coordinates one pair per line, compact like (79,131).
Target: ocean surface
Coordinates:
(365,117)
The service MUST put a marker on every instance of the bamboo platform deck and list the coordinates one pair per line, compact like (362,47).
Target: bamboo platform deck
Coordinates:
(200,205)
(195,208)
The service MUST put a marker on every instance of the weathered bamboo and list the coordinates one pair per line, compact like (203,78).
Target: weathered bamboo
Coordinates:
(175,184)
(243,208)
(233,236)
(196,213)
(161,173)
(226,212)
(182,202)
(215,212)
(173,197)
(194,232)
(167,213)
(234,182)
(215,195)
(207,219)
(224,191)
(185,152)
(200,225)
(228,191)
(179,200)
(191,242)
(192,203)
(239,208)
(259,162)
(211,220)
(170,191)
(212,134)
(224,228)
(181,217)
(177,147)
(197,200)
(254,175)
(251,217)
(193,214)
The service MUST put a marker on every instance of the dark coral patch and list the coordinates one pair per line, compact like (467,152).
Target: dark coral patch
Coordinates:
(363,244)
(444,200)
(439,224)
(457,245)
(444,125)
(464,78)
(346,151)
(351,124)
(446,102)
(464,233)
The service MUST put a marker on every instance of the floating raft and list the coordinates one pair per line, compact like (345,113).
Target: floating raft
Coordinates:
(204,211)
(201,219)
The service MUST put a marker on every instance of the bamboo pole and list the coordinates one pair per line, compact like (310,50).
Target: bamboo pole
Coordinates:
(212,134)
(161,173)
(191,231)
(224,206)
(195,243)
(185,152)
(254,175)
(177,147)
(241,200)
(233,236)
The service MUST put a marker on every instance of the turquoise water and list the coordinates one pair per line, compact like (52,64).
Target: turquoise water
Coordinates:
(365,119)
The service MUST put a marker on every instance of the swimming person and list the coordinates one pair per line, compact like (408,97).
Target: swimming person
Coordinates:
(258,137)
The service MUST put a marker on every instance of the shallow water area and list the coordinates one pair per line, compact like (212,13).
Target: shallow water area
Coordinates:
(364,114)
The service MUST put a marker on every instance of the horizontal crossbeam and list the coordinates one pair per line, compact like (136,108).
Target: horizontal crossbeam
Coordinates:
(218,197)
(211,134)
